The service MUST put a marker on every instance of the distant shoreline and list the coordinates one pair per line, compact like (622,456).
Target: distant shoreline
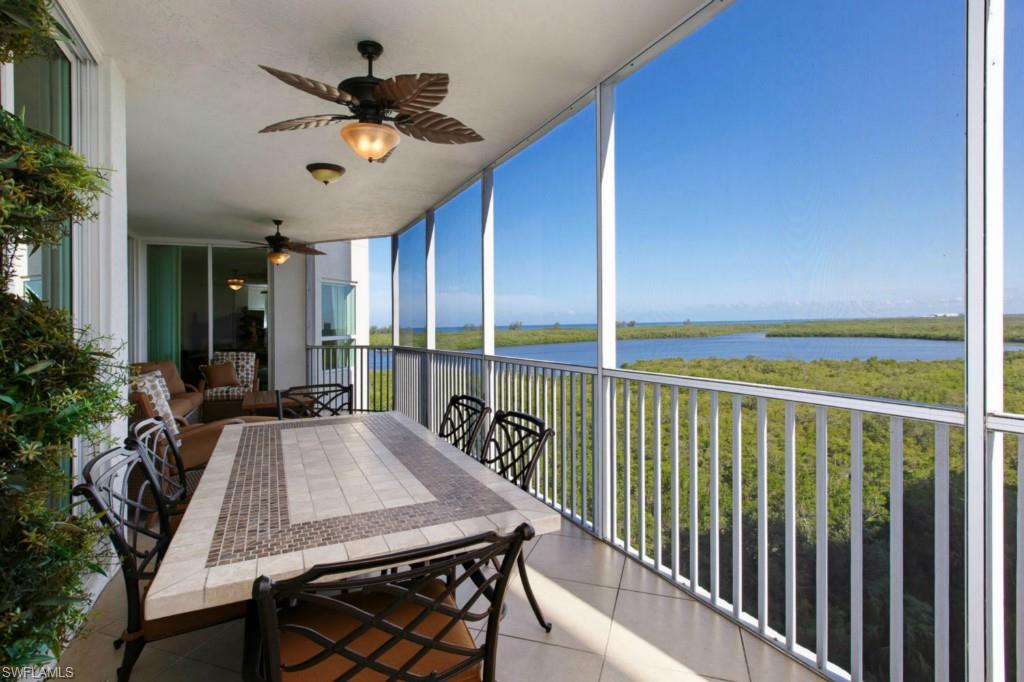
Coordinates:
(923,328)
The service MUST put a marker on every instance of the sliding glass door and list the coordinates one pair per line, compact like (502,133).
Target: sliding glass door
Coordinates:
(202,299)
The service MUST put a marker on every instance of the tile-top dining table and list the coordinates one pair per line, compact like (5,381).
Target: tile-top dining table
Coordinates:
(279,497)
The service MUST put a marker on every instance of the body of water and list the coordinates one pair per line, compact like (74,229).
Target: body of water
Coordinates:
(753,344)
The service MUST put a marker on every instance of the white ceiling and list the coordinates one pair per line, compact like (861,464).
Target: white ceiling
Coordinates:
(198,168)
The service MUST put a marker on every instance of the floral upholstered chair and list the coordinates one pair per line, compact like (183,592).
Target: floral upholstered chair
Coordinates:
(225,401)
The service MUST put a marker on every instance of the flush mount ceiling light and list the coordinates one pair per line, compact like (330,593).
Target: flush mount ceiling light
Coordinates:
(325,172)
(235,282)
(405,101)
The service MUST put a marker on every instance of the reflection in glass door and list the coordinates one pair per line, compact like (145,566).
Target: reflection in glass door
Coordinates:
(42,94)
(240,303)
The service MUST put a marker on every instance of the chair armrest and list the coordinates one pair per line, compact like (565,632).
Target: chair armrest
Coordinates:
(201,385)
(189,388)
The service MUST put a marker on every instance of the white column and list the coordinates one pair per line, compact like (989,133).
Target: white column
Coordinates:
(605,303)
(487,255)
(431,283)
(487,280)
(394,289)
(984,351)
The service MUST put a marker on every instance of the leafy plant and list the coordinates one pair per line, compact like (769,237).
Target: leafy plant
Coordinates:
(56,383)
(44,186)
(27,28)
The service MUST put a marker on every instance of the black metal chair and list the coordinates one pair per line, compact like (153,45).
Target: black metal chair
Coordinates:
(512,447)
(177,482)
(403,624)
(314,400)
(462,421)
(127,494)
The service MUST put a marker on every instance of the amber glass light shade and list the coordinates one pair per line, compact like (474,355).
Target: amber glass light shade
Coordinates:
(235,283)
(371,141)
(278,257)
(325,172)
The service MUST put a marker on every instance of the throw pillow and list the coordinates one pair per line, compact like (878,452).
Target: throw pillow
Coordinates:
(219,375)
(152,384)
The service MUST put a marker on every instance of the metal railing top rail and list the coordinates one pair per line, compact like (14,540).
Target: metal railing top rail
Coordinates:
(894,408)
(942,414)
(1005,423)
(560,366)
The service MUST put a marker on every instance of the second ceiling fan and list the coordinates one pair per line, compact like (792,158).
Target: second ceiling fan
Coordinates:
(406,101)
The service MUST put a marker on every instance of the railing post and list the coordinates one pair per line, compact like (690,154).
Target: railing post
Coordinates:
(983,527)
(394,290)
(603,433)
(431,314)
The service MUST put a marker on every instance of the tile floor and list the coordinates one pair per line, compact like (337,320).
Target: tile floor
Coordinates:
(613,620)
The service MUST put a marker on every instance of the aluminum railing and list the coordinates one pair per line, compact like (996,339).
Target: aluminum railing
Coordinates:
(367,369)
(841,498)
(838,497)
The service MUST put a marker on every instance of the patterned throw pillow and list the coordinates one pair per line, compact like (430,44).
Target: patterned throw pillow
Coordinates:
(244,364)
(152,384)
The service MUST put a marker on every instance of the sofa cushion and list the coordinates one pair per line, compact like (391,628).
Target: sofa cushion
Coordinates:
(181,407)
(220,375)
(195,398)
(168,369)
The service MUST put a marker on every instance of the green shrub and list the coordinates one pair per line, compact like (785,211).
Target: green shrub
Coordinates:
(56,384)
(27,28)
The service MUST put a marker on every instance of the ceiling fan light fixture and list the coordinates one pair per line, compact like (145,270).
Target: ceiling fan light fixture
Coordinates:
(278,257)
(325,172)
(235,283)
(370,140)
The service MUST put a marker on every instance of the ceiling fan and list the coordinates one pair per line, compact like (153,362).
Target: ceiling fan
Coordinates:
(405,101)
(280,245)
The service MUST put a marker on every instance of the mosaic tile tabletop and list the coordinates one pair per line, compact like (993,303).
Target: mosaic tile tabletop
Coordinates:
(280,497)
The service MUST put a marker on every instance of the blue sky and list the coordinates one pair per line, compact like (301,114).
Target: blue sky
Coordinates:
(787,160)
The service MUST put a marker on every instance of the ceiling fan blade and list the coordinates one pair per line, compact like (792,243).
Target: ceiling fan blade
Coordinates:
(305,122)
(411,94)
(313,87)
(302,248)
(431,126)
(263,244)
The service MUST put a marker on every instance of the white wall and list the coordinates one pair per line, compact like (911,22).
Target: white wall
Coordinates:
(288,323)
(346,262)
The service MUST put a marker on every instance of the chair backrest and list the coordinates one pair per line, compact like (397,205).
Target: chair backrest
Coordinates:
(462,421)
(424,586)
(246,366)
(157,442)
(124,491)
(314,400)
(513,445)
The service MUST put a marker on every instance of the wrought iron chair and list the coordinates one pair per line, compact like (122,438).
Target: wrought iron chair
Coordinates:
(177,482)
(127,494)
(462,421)
(314,400)
(512,447)
(401,625)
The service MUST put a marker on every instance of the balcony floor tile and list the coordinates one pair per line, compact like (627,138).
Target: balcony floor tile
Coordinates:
(613,621)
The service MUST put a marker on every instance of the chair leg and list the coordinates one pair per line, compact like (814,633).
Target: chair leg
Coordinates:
(118,643)
(529,595)
(132,650)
